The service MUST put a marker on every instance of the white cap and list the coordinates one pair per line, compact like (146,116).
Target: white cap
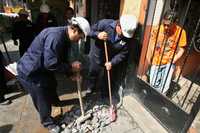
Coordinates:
(83,25)
(44,8)
(128,25)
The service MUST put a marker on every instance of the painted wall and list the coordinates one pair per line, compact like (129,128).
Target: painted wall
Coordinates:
(191,65)
(130,7)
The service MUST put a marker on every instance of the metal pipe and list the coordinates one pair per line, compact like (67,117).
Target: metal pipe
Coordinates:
(157,41)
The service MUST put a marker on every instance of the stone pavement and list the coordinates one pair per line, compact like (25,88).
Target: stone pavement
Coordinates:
(21,117)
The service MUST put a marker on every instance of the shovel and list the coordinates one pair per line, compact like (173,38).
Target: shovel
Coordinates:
(112,109)
(83,116)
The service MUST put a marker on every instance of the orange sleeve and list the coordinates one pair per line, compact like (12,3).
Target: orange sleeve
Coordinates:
(183,39)
(154,33)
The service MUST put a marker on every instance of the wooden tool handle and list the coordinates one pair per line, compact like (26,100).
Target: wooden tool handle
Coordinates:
(108,73)
(79,93)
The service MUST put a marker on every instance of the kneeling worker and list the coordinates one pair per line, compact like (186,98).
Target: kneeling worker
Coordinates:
(48,54)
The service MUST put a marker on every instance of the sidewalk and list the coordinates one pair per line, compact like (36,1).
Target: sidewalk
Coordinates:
(21,116)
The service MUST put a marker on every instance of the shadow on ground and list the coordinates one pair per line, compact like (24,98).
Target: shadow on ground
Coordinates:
(6,128)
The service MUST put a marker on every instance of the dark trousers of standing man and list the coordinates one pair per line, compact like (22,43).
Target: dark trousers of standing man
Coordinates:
(42,89)
(3,87)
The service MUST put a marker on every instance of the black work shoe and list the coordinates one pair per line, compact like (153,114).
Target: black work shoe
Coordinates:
(54,129)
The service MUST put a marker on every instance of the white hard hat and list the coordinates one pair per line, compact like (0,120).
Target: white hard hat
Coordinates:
(44,8)
(128,25)
(83,25)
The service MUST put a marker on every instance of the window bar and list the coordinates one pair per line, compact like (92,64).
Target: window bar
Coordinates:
(189,48)
(150,29)
(165,44)
(158,31)
(160,20)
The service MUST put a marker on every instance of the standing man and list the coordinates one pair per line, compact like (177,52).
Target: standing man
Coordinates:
(3,86)
(45,19)
(23,30)
(117,34)
(169,48)
(68,14)
(46,55)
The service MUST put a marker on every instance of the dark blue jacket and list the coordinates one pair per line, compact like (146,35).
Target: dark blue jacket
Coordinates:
(117,46)
(48,53)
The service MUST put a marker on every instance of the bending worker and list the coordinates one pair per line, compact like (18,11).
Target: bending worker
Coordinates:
(46,55)
(117,34)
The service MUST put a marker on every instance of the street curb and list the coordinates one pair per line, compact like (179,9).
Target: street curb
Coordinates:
(142,117)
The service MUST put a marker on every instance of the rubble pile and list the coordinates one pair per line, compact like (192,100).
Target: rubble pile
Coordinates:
(100,118)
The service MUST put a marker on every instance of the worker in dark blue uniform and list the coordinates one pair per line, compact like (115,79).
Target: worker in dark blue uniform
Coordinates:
(117,33)
(24,31)
(46,55)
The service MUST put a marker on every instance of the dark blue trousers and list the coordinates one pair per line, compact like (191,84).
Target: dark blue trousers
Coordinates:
(42,89)
(97,77)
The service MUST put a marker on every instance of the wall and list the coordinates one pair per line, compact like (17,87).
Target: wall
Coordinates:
(137,8)
(130,7)
(191,65)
